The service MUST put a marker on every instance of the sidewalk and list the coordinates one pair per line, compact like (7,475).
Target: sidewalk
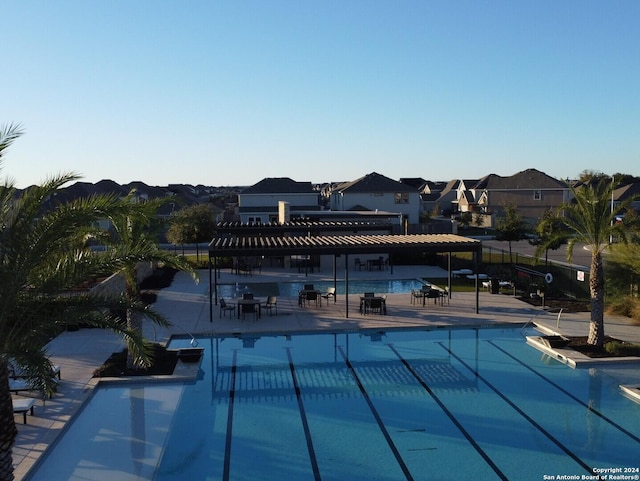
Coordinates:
(186,305)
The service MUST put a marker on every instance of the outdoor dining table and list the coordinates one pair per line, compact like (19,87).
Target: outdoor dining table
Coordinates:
(247,302)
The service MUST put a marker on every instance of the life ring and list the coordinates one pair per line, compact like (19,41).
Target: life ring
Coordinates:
(548,278)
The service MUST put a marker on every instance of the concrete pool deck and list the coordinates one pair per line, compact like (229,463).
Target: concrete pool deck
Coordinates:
(186,306)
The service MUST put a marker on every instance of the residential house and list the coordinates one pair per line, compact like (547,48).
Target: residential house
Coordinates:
(532,193)
(454,197)
(260,202)
(628,191)
(430,193)
(375,192)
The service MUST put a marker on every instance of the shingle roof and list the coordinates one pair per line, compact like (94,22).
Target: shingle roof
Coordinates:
(375,182)
(626,191)
(527,179)
(278,185)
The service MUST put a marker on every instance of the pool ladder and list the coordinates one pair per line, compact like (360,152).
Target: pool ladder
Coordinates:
(530,321)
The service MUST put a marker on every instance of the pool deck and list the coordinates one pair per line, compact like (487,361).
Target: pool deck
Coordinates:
(186,306)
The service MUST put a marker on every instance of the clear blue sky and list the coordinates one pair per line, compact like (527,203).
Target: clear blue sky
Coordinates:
(230,92)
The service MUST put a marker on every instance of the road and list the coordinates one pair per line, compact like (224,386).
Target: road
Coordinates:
(581,256)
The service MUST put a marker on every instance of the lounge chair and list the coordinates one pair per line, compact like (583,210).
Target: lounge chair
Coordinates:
(23,406)
(224,307)
(271,304)
(17,372)
(22,385)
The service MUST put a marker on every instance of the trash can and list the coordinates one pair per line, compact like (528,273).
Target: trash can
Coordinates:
(495,285)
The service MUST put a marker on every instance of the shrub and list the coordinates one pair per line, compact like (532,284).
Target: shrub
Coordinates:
(620,348)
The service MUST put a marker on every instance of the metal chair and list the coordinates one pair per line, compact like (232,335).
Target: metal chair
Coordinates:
(271,304)
(250,309)
(373,305)
(224,307)
(331,293)
(311,296)
(416,294)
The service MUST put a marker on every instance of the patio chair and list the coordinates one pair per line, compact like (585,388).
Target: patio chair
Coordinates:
(373,305)
(271,304)
(250,309)
(224,307)
(311,296)
(416,294)
(308,287)
(358,264)
(444,296)
(331,293)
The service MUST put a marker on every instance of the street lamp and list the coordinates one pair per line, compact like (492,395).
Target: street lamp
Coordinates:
(612,188)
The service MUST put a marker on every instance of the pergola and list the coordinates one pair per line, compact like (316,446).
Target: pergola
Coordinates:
(342,238)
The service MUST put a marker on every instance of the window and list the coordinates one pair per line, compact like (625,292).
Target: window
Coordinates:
(402,198)
(537,195)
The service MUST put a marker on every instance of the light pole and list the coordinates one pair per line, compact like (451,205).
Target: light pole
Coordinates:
(612,189)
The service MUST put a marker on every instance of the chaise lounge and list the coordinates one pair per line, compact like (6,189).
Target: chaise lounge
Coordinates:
(23,406)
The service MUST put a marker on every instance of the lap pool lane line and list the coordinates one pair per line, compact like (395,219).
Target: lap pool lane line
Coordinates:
(570,395)
(377,417)
(303,416)
(532,421)
(232,393)
(449,414)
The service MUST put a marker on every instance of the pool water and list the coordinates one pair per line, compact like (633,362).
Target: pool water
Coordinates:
(291,289)
(416,405)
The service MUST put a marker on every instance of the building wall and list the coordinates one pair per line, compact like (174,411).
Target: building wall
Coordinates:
(381,201)
(264,207)
(527,205)
(271,200)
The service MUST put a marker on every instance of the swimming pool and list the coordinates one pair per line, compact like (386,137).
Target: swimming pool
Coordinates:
(410,404)
(291,289)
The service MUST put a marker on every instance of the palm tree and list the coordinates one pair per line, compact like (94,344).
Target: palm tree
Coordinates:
(133,231)
(591,219)
(43,261)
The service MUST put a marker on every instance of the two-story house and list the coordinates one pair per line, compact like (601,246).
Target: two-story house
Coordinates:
(532,193)
(260,202)
(376,192)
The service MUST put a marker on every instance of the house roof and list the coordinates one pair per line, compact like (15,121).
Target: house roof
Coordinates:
(374,182)
(415,182)
(526,179)
(626,191)
(279,185)
(468,198)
